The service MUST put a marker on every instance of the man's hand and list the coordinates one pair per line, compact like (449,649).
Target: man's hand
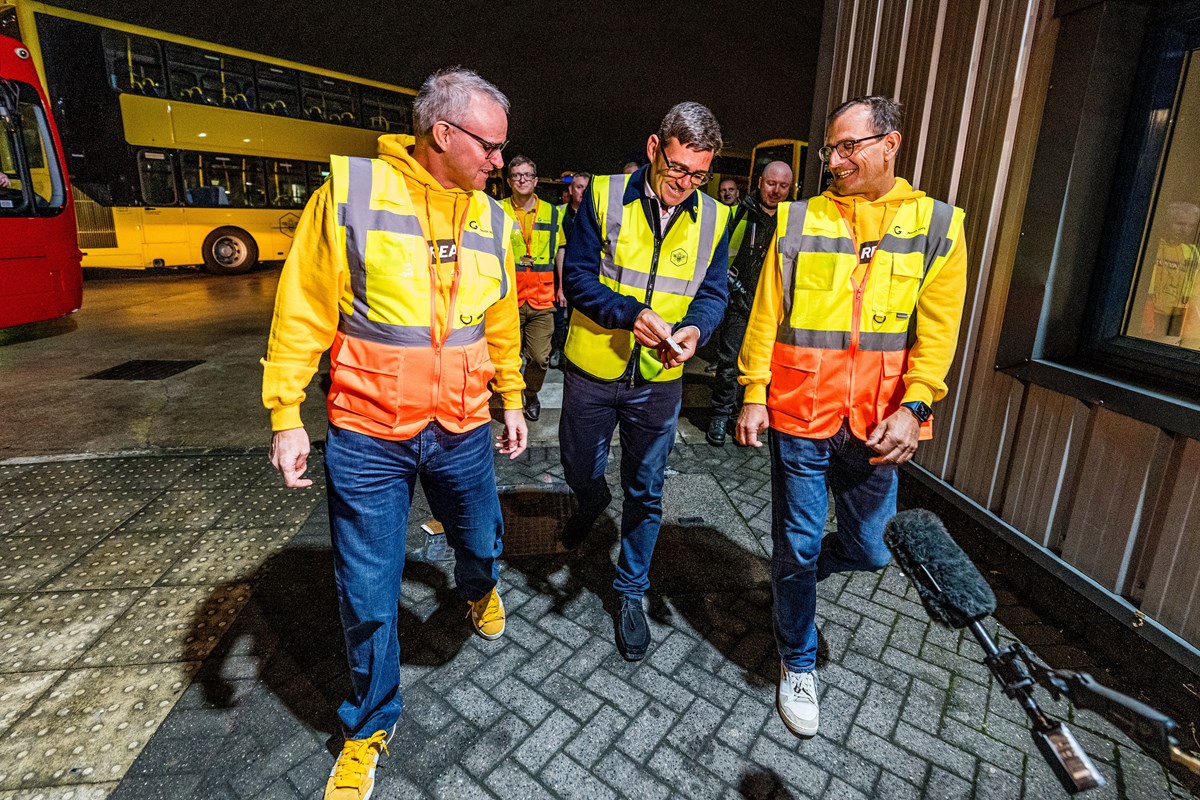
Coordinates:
(560,299)
(751,422)
(895,439)
(515,438)
(650,329)
(687,338)
(289,456)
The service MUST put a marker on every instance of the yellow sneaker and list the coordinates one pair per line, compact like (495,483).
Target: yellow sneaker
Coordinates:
(353,776)
(487,615)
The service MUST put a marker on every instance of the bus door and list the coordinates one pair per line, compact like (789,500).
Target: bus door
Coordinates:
(164,219)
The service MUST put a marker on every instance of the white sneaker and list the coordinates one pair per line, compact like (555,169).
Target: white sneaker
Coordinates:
(796,701)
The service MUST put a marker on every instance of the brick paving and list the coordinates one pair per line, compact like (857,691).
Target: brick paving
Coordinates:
(168,629)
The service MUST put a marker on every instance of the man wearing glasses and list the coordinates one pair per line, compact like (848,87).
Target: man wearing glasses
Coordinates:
(403,269)
(851,335)
(645,273)
(536,239)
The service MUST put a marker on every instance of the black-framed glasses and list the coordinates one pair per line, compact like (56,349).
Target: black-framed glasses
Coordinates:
(488,147)
(677,171)
(846,149)
(523,176)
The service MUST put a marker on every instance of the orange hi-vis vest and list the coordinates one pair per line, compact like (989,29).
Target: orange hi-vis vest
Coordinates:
(392,372)
(533,251)
(841,348)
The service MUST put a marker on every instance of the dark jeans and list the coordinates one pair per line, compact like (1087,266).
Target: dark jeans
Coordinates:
(371,482)
(562,316)
(647,415)
(729,342)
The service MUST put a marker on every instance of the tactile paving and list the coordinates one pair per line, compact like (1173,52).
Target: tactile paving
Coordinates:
(125,559)
(27,562)
(170,623)
(226,472)
(146,472)
(183,509)
(533,516)
(17,509)
(52,477)
(20,690)
(226,556)
(87,512)
(91,725)
(86,791)
(277,507)
(52,629)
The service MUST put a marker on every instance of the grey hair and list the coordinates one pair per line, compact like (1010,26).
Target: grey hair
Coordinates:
(519,160)
(693,125)
(447,94)
(885,112)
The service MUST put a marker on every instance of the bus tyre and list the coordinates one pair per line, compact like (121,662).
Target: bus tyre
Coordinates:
(229,251)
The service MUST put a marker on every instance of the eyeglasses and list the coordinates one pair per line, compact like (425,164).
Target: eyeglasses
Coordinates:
(488,147)
(846,149)
(521,177)
(677,171)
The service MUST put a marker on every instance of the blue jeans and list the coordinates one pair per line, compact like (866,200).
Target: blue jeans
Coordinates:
(802,472)
(371,482)
(647,414)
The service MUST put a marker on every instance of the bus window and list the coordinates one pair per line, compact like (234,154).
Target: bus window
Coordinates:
(317,175)
(215,80)
(287,183)
(134,64)
(157,175)
(387,111)
(326,100)
(28,164)
(211,179)
(12,194)
(278,91)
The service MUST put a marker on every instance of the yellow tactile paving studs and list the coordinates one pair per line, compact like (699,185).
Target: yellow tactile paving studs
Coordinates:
(224,556)
(52,629)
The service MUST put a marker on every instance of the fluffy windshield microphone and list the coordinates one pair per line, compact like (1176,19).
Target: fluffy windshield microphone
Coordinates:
(951,588)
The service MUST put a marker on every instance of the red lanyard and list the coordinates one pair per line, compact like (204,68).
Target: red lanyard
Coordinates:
(528,237)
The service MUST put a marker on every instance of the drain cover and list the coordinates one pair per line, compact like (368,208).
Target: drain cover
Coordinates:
(533,516)
(142,370)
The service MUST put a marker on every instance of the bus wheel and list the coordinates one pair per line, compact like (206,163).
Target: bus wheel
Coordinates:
(229,251)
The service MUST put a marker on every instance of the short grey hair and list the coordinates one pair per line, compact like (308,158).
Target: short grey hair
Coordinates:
(693,125)
(886,113)
(447,94)
(519,160)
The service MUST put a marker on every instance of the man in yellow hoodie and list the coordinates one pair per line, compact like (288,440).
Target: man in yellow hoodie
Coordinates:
(403,269)
(852,332)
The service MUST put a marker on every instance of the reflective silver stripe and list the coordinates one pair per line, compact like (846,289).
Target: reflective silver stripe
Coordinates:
(353,216)
(882,342)
(636,279)
(939,229)
(823,340)
(708,232)
(789,248)
(499,242)
(903,246)
(382,333)
(825,244)
(543,226)
(612,226)
(553,231)
(544,266)
(467,335)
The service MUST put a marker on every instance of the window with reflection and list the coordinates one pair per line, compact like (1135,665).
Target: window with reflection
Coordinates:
(214,180)
(287,183)
(198,76)
(390,112)
(327,100)
(32,180)
(156,173)
(278,91)
(134,64)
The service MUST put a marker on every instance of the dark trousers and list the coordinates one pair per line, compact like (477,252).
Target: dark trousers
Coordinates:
(729,342)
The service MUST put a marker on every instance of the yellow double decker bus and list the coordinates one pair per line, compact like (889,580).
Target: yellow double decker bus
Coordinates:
(183,152)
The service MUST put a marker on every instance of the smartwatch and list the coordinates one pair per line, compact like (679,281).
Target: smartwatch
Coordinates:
(919,409)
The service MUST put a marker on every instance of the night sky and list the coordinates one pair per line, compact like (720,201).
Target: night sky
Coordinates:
(588,83)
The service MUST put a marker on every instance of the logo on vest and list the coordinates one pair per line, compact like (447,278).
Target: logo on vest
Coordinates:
(678,256)
(867,251)
(445,251)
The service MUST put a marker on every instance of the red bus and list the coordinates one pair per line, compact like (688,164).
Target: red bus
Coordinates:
(40,275)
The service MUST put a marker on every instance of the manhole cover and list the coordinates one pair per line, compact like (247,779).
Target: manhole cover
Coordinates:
(533,516)
(142,370)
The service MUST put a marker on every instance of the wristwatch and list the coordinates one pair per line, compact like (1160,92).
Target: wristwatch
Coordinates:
(919,409)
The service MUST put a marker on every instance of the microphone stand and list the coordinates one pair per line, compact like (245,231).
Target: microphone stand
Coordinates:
(1068,761)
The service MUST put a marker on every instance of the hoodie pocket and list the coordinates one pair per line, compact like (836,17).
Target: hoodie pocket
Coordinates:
(365,380)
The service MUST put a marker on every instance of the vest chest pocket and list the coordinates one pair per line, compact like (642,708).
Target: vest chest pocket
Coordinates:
(905,282)
(816,272)
(479,287)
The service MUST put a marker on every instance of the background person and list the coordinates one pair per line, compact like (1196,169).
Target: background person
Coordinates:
(728,192)
(827,365)
(413,345)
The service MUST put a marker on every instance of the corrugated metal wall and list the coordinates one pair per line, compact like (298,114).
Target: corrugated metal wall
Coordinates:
(1115,498)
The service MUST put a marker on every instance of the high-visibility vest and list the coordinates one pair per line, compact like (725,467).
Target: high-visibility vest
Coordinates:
(841,353)
(392,372)
(535,280)
(662,273)
(737,232)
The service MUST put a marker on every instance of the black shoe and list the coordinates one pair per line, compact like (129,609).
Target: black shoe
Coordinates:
(576,530)
(556,359)
(717,428)
(533,407)
(633,633)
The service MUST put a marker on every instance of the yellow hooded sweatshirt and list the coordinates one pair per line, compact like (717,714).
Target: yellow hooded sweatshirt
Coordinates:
(314,278)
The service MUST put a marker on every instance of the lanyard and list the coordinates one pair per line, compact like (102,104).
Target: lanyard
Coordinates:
(528,237)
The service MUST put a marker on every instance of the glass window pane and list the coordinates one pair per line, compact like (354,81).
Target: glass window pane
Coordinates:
(317,175)
(287,183)
(1162,303)
(278,91)
(387,111)
(213,179)
(327,100)
(134,64)
(198,76)
(157,174)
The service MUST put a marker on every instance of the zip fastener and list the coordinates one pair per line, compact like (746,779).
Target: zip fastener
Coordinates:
(637,348)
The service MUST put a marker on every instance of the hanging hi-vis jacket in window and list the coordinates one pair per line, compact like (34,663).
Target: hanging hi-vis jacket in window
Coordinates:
(857,311)
(410,287)
(663,273)
(536,237)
